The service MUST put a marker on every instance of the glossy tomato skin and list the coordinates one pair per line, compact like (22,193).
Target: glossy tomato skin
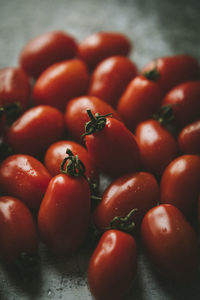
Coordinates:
(64,214)
(174,70)
(45,50)
(138,190)
(24,177)
(158,147)
(140,100)
(18,230)
(170,242)
(35,130)
(180,183)
(111,77)
(61,82)
(112,267)
(101,45)
(114,149)
(76,114)
(57,152)
(184,99)
(14,87)
(189,138)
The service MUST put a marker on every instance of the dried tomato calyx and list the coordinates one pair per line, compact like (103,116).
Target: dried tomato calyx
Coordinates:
(74,166)
(125,224)
(96,123)
(152,74)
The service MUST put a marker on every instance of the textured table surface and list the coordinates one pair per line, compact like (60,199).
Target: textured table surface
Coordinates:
(156,28)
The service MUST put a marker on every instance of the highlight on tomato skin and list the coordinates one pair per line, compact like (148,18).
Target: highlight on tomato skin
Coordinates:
(24,177)
(189,138)
(171,243)
(110,78)
(46,49)
(113,266)
(18,234)
(101,45)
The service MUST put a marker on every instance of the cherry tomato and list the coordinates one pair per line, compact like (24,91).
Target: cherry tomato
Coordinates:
(24,177)
(180,183)
(61,82)
(14,87)
(45,50)
(57,152)
(189,138)
(101,45)
(138,190)
(112,267)
(170,242)
(139,102)
(18,236)
(158,147)
(112,147)
(76,115)
(184,99)
(64,214)
(111,77)
(173,70)
(35,130)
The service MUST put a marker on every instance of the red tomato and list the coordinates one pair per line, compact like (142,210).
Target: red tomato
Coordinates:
(180,183)
(76,115)
(14,87)
(139,102)
(61,82)
(158,147)
(57,152)
(101,45)
(111,77)
(138,190)
(112,267)
(45,50)
(24,177)
(18,234)
(189,138)
(35,130)
(170,242)
(184,99)
(64,214)
(173,70)
(112,147)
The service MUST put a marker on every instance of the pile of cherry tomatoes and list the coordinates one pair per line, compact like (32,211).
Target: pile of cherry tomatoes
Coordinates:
(72,111)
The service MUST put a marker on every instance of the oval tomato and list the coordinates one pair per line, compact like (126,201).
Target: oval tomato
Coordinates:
(158,147)
(112,147)
(170,242)
(14,87)
(61,82)
(101,45)
(24,177)
(112,267)
(139,102)
(57,152)
(133,191)
(173,70)
(185,103)
(180,183)
(111,77)
(189,139)
(64,214)
(18,235)
(35,130)
(45,50)
(76,114)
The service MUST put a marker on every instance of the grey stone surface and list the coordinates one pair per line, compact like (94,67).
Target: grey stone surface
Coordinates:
(156,28)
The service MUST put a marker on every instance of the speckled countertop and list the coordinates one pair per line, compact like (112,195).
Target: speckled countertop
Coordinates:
(156,28)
